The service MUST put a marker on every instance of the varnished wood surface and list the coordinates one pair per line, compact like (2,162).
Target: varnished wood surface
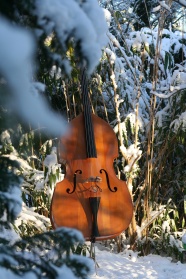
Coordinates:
(73,210)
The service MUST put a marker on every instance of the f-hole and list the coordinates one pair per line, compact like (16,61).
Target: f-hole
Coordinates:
(74,188)
(108,182)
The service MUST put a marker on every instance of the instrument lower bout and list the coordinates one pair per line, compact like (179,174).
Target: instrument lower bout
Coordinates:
(89,199)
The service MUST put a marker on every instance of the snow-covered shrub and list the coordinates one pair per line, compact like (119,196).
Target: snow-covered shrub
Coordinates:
(165,233)
(142,86)
(30,256)
(10,198)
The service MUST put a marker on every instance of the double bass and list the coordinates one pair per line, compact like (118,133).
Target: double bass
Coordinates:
(90,198)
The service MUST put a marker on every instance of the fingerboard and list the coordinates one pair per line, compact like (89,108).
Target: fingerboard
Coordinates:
(87,112)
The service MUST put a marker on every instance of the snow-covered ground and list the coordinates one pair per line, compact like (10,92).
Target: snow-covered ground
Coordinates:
(123,266)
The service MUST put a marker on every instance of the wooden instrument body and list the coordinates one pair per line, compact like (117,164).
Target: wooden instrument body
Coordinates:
(72,209)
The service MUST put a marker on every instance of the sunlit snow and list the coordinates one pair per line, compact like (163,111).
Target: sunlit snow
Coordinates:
(130,265)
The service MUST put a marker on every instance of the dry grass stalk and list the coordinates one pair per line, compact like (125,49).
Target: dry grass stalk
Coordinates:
(151,131)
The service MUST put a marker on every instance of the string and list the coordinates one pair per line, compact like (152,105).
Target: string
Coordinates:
(89,133)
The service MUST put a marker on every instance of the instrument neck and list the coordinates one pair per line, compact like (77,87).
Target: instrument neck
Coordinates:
(87,112)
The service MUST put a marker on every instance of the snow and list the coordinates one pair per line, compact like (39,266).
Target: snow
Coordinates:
(182,2)
(17,66)
(28,215)
(112,56)
(107,16)
(110,265)
(184,238)
(9,235)
(164,5)
(8,274)
(156,9)
(5,137)
(86,21)
(65,272)
(129,265)
(51,159)
(166,88)
(18,49)
(180,122)
(14,199)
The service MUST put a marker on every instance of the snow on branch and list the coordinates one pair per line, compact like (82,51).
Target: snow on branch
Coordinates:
(181,2)
(174,89)
(179,123)
(132,153)
(16,66)
(84,22)
(164,5)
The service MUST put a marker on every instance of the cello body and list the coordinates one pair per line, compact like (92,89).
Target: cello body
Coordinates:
(91,198)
